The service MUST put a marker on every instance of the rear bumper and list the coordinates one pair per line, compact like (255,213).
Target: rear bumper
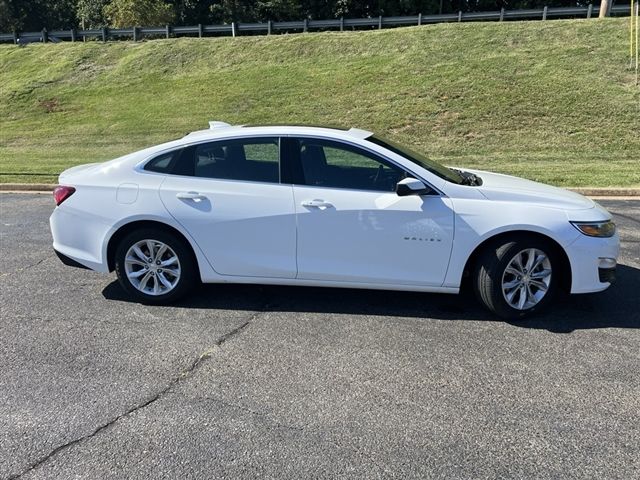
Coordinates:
(70,262)
(78,237)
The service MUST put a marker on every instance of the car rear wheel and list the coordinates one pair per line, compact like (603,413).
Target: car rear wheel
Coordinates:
(517,277)
(154,266)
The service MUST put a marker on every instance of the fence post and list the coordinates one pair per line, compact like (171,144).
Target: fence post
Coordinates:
(502,14)
(305,25)
(233,29)
(420,19)
(104,34)
(74,34)
(590,10)
(269,27)
(342,24)
(45,35)
(199,30)
(167,30)
(459,15)
(544,13)
(380,22)
(135,34)
(15,37)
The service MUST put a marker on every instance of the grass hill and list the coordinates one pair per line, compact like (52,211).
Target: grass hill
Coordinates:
(551,101)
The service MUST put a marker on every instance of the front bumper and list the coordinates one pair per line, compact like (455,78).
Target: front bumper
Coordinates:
(586,255)
(607,275)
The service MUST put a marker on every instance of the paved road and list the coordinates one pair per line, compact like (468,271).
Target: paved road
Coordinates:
(244,381)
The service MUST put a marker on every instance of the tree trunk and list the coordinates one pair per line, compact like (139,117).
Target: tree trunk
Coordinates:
(605,8)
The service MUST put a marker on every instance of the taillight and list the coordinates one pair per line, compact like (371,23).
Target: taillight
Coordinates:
(61,193)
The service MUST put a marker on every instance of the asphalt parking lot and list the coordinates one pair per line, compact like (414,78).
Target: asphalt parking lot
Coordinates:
(245,381)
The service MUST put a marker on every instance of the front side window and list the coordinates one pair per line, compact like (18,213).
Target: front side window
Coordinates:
(248,159)
(419,159)
(331,164)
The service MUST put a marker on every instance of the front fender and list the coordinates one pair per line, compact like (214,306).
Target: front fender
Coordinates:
(477,221)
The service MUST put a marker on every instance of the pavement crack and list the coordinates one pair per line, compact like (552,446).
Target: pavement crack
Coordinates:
(183,375)
(22,269)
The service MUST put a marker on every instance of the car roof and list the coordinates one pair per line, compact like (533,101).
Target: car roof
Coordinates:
(219,129)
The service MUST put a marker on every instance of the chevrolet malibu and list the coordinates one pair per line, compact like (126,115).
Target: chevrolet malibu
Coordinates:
(293,205)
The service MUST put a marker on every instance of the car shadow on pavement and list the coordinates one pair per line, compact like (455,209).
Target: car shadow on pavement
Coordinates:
(617,307)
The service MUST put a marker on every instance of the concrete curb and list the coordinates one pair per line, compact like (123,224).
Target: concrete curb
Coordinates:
(607,192)
(586,191)
(27,187)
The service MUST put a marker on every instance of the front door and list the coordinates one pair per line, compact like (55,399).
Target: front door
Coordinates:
(353,227)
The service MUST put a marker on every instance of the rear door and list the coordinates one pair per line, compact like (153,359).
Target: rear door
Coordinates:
(353,227)
(227,195)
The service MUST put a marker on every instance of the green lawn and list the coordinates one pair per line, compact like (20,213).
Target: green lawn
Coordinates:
(552,101)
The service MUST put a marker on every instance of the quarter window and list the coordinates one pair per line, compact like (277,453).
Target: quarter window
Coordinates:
(162,163)
(326,163)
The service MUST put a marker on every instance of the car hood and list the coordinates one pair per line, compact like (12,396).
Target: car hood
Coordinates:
(506,188)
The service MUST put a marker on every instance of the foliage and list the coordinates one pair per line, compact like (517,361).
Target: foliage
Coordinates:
(193,12)
(33,15)
(551,101)
(131,13)
(90,13)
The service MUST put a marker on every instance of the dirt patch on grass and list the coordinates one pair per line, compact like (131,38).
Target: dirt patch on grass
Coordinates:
(50,105)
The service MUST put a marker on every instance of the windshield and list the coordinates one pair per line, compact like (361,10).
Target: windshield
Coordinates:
(419,159)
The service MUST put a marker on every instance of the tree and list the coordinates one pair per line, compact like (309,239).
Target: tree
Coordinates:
(234,11)
(278,10)
(131,13)
(192,12)
(34,15)
(90,13)
(605,7)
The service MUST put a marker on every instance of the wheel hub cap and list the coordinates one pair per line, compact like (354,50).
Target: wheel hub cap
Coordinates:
(152,267)
(526,279)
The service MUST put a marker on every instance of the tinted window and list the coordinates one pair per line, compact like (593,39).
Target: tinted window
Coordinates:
(162,163)
(335,165)
(419,159)
(253,159)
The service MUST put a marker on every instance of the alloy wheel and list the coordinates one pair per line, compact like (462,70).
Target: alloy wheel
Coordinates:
(526,279)
(152,267)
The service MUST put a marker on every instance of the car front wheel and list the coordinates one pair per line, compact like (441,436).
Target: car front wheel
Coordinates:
(154,266)
(518,277)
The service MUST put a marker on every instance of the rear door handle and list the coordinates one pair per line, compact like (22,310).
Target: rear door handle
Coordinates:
(321,204)
(195,196)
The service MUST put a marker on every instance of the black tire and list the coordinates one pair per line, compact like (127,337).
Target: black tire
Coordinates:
(188,277)
(491,266)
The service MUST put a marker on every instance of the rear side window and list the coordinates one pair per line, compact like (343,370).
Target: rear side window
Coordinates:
(248,159)
(162,163)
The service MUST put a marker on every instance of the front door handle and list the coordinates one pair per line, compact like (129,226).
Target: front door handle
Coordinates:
(195,196)
(321,204)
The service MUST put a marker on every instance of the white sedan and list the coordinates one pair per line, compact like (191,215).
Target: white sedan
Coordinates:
(292,205)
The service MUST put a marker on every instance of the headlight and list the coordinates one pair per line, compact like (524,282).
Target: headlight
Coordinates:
(596,229)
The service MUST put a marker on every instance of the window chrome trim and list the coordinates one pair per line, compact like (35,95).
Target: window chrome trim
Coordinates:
(139,167)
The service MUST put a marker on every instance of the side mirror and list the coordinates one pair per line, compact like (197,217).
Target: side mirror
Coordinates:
(411,186)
